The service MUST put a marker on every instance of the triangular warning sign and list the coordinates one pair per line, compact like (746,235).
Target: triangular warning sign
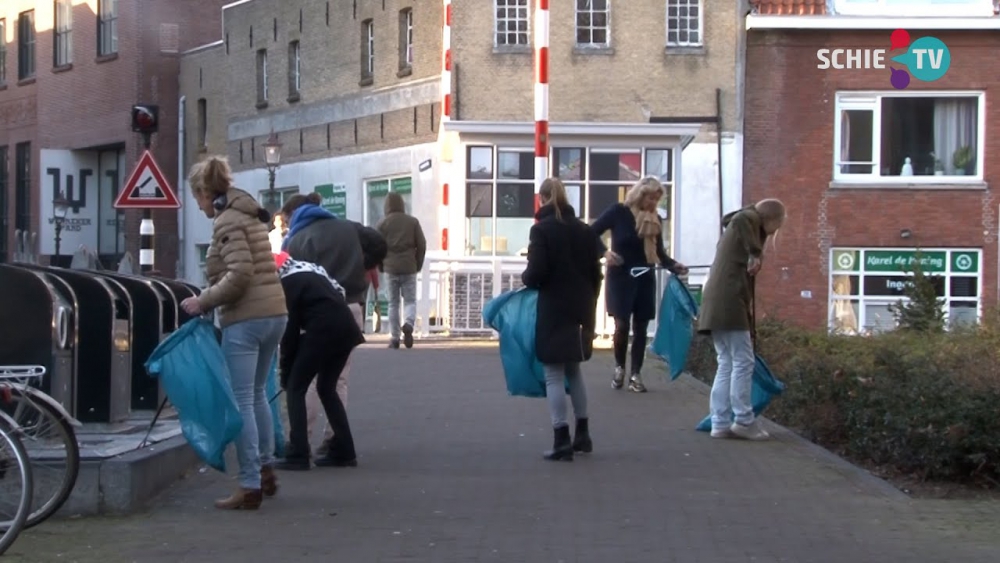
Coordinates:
(146,188)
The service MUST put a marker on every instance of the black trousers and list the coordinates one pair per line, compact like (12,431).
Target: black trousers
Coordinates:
(622,326)
(316,359)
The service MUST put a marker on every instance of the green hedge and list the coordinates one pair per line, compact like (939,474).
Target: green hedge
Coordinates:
(914,404)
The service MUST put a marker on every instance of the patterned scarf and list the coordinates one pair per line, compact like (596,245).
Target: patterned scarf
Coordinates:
(647,226)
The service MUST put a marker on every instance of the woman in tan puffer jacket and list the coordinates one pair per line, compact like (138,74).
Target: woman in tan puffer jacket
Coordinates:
(245,291)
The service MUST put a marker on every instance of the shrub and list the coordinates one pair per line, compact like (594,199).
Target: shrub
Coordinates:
(913,403)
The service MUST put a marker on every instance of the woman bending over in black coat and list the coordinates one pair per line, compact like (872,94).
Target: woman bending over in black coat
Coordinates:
(564,266)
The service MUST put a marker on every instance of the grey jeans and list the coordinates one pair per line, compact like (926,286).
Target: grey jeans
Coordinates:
(401,286)
(556,376)
(249,348)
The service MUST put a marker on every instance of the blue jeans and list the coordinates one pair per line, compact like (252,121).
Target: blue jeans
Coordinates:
(731,390)
(249,347)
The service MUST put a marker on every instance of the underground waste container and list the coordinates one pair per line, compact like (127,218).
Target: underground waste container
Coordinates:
(38,327)
(104,344)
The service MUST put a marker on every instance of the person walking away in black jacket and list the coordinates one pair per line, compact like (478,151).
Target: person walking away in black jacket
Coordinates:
(318,340)
(318,236)
(636,242)
(564,266)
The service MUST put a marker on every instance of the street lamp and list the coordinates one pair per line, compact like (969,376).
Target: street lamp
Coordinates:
(60,207)
(272,157)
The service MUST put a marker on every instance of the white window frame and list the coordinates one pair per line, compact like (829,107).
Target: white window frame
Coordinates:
(370,45)
(576,27)
(871,101)
(409,36)
(861,273)
(913,8)
(508,6)
(679,20)
(588,148)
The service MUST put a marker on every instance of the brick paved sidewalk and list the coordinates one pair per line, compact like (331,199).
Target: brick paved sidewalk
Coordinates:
(451,471)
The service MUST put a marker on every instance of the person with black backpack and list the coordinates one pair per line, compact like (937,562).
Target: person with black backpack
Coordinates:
(340,247)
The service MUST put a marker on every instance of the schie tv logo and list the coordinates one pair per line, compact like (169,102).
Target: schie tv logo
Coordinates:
(927,59)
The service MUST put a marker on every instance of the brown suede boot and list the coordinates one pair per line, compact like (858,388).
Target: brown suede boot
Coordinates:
(268,481)
(242,499)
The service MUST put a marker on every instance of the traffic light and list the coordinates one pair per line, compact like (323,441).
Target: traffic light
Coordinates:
(145,119)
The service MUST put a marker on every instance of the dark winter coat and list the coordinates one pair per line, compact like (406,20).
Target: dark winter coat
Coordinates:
(315,235)
(727,298)
(626,295)
(318,314)
(564,266)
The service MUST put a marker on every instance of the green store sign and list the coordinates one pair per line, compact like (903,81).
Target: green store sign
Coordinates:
(930,261)
(334,198)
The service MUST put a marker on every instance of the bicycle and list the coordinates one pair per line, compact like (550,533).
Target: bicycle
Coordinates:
(15,474)
(47,432)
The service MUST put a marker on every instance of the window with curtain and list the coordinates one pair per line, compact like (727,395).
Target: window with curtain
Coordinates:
(909,138)
(63,45)
(107,27)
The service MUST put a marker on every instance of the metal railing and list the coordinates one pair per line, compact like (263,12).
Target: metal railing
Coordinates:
(452,291)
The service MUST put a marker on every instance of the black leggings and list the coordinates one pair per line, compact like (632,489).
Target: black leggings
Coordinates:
(622,325)
(315,359)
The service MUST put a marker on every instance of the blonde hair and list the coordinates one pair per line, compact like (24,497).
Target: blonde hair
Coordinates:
(211,176)
(553,191)
(641,189)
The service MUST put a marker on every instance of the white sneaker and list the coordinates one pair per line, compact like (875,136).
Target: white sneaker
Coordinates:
(753,431)
(722,433)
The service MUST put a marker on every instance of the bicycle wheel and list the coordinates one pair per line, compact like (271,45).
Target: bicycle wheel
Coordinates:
(52,449)
(15,487)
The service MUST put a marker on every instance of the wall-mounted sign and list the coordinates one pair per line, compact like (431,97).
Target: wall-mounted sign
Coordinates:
(334,198)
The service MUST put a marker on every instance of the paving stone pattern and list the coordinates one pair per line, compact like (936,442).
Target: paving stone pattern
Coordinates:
(451,471)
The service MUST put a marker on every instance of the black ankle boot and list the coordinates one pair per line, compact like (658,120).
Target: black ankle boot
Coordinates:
(581,440)
(562,449)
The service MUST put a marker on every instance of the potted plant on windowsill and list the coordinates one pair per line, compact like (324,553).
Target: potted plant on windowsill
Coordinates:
(963,160)
(938,167)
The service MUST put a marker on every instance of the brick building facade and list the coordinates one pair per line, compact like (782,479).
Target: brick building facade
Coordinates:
(871,173)
(69,72)
(345,124)
(350,90)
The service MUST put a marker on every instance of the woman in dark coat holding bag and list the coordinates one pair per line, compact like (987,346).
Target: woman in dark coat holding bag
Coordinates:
(636,242)
(564,266)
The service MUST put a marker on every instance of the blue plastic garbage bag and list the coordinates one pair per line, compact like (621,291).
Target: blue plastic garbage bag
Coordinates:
(193,372)
(674,329)
(513,315)
(765,388)
(271,389)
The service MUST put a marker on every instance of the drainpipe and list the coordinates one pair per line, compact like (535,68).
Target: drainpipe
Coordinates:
(718,141)
(181,261)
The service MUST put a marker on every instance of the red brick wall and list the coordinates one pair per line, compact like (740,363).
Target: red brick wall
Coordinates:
(789,136)
(87,106)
